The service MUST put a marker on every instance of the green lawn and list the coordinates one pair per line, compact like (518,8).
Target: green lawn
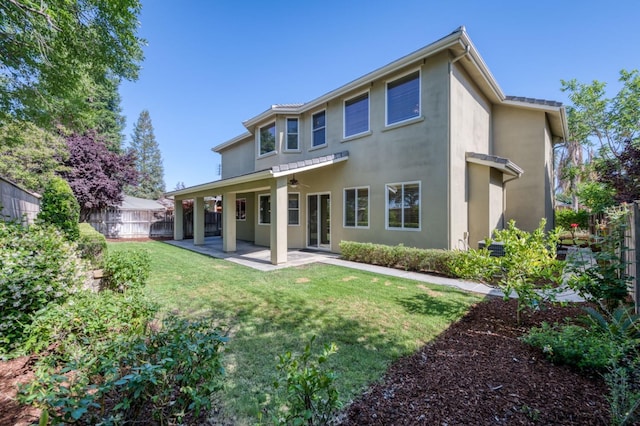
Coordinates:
(373,319)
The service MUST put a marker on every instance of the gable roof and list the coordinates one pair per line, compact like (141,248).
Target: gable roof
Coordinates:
(460,46)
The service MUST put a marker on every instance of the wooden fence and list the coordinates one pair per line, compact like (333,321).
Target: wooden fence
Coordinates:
(16,203)
(115,223)
(632,252)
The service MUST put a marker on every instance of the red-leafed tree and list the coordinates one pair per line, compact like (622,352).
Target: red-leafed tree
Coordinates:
(96,175)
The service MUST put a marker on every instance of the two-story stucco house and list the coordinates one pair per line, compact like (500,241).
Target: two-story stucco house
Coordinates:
(426,151)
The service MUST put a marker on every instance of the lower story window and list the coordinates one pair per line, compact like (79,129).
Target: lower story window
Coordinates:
(294,209)
(264,205)
(403,205)
(356,207)
(241,209)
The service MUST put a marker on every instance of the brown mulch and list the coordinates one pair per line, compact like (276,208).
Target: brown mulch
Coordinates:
(476,373)
(479,373)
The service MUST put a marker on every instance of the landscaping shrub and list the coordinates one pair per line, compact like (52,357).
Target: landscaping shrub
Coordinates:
(575,345)
(407,258)
(566,217)
(160,376)
(309,392)
(91,244)
(60,208)
(38,266)
(126,269)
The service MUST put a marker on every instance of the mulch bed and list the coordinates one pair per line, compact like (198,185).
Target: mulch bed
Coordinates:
(476,373)
(479,373)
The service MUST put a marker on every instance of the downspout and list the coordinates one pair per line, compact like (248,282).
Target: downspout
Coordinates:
(467,48)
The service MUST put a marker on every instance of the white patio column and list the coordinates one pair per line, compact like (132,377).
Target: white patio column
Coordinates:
(178,220)
(198,221)
(229,222)
(279,215)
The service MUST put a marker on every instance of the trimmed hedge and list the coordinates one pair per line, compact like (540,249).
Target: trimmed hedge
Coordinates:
(91,244)
(407,258)
(60,208)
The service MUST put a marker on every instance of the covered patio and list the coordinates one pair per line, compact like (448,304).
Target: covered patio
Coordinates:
(275,180)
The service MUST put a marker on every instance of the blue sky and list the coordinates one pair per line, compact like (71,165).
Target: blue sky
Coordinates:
(212,64)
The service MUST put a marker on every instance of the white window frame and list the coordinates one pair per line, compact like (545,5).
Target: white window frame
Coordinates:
(386,205)
(344,115)
(242,203)
(275,139)
(344,207)
(313,129)
(287,134)
(260,197)
(386,98)
(297,209)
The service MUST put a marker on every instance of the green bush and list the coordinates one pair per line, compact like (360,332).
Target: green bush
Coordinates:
(60,208)
(89,317)
(309,392)
(159,376)
(575,345)
(407,258)
(38,266)
(91,244)
(565,217)
(126,269)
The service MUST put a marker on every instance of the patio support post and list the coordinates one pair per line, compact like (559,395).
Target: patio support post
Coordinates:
(279,215)
(198,221)
(229,222)
(178,220)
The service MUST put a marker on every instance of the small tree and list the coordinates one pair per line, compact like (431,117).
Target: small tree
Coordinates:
(96,175)
(60,208)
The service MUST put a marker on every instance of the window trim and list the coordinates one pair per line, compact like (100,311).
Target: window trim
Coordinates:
(259,207)
(386,98)
(286,143)
(312,147)
(289,209)
(275,141)
(386,206)
(241,201)
(344,207)
(344,115)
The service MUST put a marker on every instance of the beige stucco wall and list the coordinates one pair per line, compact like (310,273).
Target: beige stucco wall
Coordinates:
(470,132)
(238,159)
(522,135)
(245,229)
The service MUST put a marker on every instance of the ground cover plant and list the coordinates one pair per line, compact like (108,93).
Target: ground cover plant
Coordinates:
(372,320)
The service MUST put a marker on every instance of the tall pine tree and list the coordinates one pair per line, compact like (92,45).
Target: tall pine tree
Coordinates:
(148,160)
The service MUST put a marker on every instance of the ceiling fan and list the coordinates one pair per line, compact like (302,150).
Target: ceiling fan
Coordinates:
(293,182)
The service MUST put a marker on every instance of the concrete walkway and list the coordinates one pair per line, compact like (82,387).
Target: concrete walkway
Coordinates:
(256,257)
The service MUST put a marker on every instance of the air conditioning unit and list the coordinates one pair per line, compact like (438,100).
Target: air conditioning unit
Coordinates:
(496,248)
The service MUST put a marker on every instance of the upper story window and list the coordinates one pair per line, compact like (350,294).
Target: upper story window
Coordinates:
(403,98)
(319,127)
(267,139)
(292,135)
(356,115)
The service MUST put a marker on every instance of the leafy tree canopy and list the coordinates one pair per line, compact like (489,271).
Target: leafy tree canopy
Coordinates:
(96,175)
(51,53)
(148,160)
(30,156)
(612,127)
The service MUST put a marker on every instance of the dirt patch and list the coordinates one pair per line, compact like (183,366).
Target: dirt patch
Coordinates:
(302,280)
(430,292)
(478,372)
(13,373)
(349,278)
